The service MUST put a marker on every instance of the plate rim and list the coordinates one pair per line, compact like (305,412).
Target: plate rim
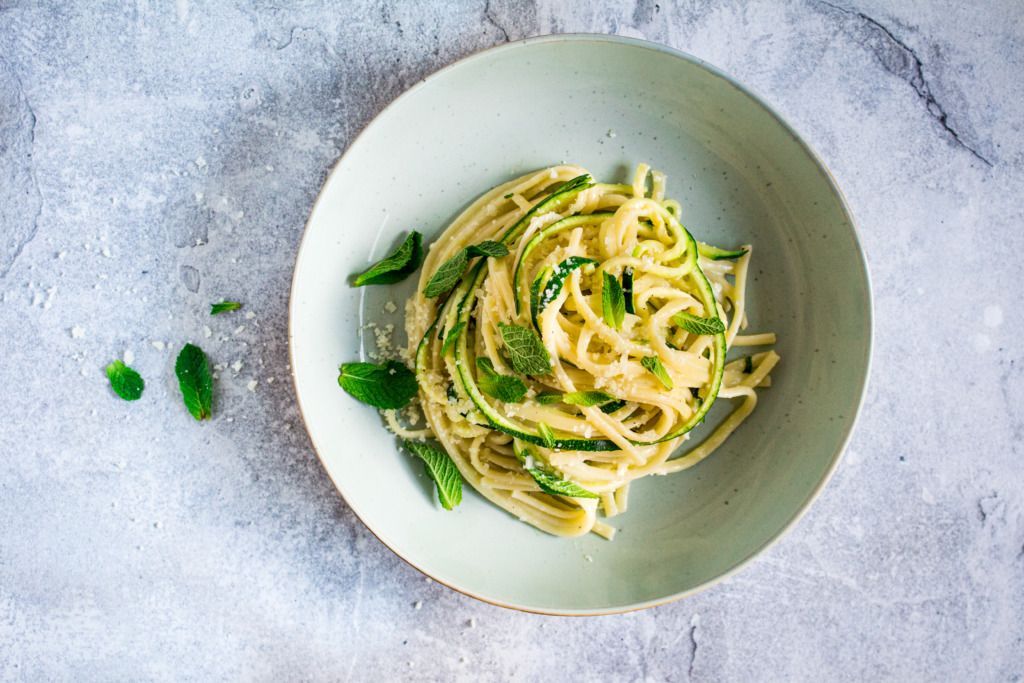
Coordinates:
(760,101)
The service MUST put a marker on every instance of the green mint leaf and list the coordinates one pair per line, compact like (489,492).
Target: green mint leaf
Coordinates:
(627,288)
(450,272)
(612,407)
(395,267)
(442,470)
(502,387)
(546,434)
(547,398)
(556,486)
(509,195)
(488,248)
(195,381)
(553,286)
(224,307)
(613,303)
(389,385)
(453,334)
(748,364)
(526,351)
(447,276)
(125,382)
(585,399)
(696,325)
(653,364)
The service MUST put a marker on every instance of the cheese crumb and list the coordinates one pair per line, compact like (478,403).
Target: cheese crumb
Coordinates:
(106,252)
(390,306)
(236,366)
(251,386)
(77,332)
(207,332)
(129,357)
(158,345)
(239,330)
(417,605)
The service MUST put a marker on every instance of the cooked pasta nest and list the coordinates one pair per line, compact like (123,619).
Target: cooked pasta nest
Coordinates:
(624,388)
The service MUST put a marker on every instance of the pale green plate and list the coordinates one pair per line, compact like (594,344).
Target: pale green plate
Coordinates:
(741,174)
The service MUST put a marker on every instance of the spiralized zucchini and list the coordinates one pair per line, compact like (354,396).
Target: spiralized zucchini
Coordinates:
(635,316)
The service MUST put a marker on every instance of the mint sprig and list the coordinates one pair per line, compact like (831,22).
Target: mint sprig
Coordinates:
(549,480)
(195,381)
(395,267)
(694,324)
(654,366)
(556,486)
(526,351)
(502,387)
(450,272)
(613,303)
(585,399)
(442,470)
(224,307)
(125,382)
(488,248)
(389,385)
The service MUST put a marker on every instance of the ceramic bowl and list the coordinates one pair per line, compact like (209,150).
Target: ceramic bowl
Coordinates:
(742,175)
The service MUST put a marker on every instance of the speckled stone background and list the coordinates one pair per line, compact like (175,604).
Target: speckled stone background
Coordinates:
(156,156)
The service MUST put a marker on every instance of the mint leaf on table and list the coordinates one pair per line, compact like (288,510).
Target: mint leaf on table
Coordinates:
(526,351)
(397,266)
(694,324)
(556,486)
(654,366)
(442,470)
(451,336)
(125,382)
(447,276)
(389,385)
(586,399)
(195,381)
(613,302)
(502,387)
(224,307)
(488,248)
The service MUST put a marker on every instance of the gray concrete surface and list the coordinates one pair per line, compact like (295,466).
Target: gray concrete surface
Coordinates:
(155,156)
